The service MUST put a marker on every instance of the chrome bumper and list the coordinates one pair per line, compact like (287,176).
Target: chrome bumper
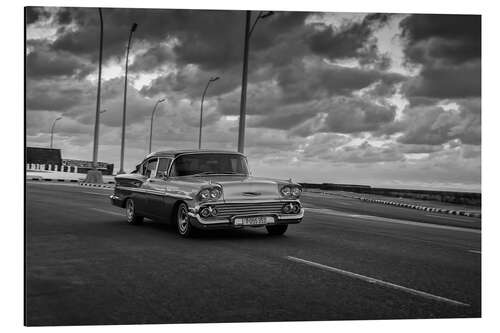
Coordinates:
(279,219)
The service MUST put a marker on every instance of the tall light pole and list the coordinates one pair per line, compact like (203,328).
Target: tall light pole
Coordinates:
(52,131)
(212,79)
(152,116)
(248,32)
(124,117)
(98,103)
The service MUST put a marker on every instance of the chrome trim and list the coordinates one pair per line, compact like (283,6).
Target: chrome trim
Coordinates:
(202,221)
(248,202)
(155,192)
(278,217)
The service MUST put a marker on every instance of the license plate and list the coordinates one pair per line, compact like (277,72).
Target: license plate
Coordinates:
(254,220)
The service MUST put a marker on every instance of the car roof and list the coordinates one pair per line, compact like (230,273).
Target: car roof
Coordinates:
(175,153)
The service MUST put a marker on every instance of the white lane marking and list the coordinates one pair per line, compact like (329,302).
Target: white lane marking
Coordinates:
(377,281)
(475,251)
(371,218)
(448,218)
(107,212)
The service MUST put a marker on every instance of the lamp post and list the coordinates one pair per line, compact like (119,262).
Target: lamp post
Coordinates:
(212,79)
(152,116)
(124,117)
(248,32)
(52,131)
(98,103)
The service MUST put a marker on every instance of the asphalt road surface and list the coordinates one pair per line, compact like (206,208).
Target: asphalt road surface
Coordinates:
(347,260)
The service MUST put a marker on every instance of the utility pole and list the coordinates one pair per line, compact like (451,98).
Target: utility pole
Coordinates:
(98,103)
(243,104)
(124,116)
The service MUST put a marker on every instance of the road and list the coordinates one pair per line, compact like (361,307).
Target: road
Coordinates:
(347,260)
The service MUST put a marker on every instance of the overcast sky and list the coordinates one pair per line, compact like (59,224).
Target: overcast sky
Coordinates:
(378,99)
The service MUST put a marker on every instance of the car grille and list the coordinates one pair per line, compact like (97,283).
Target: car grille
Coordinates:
(227,210)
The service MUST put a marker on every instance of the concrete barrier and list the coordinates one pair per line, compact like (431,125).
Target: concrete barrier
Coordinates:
(51,167)
(406,205)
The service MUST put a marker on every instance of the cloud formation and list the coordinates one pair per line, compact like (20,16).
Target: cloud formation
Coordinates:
(322,95)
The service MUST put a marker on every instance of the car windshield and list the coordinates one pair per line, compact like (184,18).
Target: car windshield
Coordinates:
(209,164)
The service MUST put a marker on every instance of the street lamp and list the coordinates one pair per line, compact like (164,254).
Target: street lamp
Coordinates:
(212,79)
(52,131)
(248,32)
(124,117)
(98,103)
(152,116)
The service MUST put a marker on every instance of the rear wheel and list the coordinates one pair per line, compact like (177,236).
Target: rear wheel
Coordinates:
(132,217)
(276,230)
(184,228)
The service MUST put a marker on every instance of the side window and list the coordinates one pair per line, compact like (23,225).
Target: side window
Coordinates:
(150,168)
(163,166)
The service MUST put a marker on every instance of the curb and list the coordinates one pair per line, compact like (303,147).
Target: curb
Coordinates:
(407,205)
(109,185)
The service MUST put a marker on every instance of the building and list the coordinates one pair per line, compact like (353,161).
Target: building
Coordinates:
(48,158)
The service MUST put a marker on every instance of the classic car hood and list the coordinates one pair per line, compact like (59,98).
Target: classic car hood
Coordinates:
(244,187)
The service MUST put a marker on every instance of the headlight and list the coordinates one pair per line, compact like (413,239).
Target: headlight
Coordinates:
(215,193)
(205,212)
(296,191)
(212,193)
(204,194)
(285,191)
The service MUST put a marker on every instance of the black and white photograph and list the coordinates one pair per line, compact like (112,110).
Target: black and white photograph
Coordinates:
(193,166)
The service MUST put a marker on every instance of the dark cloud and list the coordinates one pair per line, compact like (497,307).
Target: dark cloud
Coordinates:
(446,82)
(189,82)
(210,39)
(64,16)
(350,115)
(448,49)
(154,58)
(335,115)
(54,96)
(303,81)
(354,40)
(43,64)
(449,38)
(35,14)
(432,125)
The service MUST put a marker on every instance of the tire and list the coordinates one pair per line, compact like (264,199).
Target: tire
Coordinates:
(276,230)
(184,228)
(132,217)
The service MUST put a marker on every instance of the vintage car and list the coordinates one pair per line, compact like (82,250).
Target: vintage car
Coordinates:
(205,189)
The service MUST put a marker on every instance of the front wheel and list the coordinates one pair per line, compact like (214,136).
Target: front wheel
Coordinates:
(184,228)
(132,217)
(276,230)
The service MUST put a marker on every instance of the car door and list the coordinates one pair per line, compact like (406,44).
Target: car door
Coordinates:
(148,168)
(156,186)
